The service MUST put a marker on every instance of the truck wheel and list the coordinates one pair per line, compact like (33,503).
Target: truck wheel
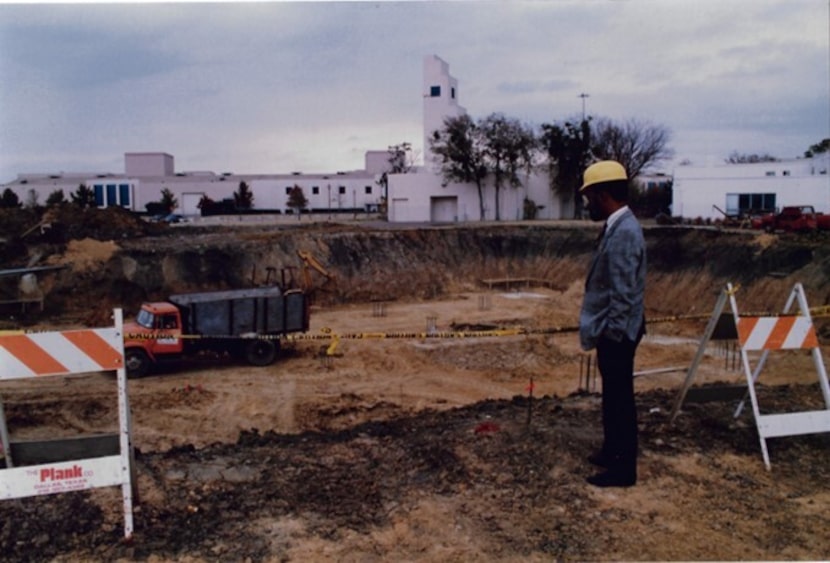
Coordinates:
(261,352)
(137,363)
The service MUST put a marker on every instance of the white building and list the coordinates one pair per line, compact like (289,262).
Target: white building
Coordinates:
(147,174)
(419,196)
(742,189)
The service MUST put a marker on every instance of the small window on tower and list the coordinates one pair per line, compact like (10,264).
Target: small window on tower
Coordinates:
(435,92)
(452,93)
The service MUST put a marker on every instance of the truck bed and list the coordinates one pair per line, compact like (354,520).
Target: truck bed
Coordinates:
(239,312)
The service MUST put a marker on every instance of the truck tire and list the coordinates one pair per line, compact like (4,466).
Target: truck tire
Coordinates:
(137,363)
(261,352)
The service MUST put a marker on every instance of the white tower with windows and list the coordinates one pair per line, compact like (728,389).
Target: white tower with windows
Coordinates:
(440,100)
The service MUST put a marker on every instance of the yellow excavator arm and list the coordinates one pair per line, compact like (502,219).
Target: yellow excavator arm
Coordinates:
(311,263)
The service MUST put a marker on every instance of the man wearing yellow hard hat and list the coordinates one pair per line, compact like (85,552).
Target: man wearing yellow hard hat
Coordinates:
(612,319)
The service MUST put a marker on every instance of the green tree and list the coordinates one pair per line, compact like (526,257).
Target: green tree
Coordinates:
(56,199)
(9,199)
(509,148)
(566,148)
(205,202)
(83,197)
(459,151)
(297,200)
(168,201)
(243,198)
(818,148)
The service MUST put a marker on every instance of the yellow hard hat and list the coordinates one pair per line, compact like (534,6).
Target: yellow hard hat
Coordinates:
(603,171)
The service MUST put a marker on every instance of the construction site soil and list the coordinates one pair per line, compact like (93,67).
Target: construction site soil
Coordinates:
(420,448)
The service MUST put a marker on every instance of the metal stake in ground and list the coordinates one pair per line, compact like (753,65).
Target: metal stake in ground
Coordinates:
(529,401)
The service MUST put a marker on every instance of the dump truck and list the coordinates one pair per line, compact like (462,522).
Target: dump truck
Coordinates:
(245,323)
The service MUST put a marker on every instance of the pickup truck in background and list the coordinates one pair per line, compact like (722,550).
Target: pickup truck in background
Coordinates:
(794,218)
(232,321)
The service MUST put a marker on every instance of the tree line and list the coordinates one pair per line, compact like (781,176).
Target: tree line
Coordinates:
(500,149)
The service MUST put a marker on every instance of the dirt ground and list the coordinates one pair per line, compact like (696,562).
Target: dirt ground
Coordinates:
(421,449)
(431,449)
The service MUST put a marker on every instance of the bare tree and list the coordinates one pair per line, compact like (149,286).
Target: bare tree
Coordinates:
(635,144)
(401,160)
(738,158)
(459,151)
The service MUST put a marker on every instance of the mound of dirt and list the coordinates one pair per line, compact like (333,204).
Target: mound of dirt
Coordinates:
(85,254)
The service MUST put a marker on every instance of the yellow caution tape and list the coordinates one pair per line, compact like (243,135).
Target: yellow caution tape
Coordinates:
(327,334)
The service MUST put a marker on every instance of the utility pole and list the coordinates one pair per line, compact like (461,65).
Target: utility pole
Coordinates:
(583,95)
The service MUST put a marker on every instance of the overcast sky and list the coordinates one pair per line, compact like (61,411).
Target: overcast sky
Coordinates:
(310,86)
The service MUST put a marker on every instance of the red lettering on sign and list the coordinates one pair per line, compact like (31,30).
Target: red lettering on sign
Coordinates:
(53,474)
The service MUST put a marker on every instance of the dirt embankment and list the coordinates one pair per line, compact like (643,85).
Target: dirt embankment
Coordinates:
(687,266)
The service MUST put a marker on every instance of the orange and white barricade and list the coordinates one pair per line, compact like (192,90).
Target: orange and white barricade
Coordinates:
(24,355)
(763,333)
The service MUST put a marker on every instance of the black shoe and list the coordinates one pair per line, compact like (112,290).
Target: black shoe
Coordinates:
(600,459)
(612,479)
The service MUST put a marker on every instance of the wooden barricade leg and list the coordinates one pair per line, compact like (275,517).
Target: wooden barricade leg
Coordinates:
(787,332)
(4,437)
(701,350)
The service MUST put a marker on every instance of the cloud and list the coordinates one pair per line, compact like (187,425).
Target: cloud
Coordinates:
(275,86)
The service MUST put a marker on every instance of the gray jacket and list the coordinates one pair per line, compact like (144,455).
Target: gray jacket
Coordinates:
(615,286)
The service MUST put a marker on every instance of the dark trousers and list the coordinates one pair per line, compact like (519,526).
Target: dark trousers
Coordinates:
(619,412)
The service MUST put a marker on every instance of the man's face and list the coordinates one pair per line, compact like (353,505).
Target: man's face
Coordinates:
(591,200)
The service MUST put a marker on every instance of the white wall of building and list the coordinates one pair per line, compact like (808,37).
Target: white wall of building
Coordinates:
(376,162)
(322,192)
(420,197)
(699,191)
(336,191)
(148,164)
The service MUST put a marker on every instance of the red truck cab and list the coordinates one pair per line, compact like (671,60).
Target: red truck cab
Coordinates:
(156,332)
